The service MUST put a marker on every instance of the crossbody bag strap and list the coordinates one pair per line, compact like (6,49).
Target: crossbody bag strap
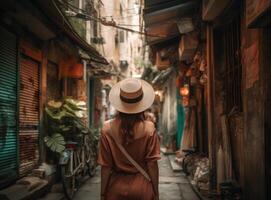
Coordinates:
(127,155)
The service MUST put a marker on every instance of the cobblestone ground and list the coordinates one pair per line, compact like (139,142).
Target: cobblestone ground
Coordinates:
(173,186)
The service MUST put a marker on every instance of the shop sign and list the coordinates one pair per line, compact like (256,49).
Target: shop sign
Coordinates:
(255,9)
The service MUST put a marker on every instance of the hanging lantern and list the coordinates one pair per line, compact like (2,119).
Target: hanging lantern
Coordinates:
(184,91)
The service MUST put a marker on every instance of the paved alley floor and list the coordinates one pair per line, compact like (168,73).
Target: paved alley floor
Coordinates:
(173,186)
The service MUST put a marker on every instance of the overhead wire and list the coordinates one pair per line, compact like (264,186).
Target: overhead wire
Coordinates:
(82,10)
(129,24)
(107,23)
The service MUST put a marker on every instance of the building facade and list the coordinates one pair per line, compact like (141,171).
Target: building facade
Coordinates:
(41,59)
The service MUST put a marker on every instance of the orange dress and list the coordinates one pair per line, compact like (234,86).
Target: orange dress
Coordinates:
(126,183)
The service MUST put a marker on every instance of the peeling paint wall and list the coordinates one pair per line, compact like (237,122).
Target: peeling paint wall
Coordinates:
(254,183)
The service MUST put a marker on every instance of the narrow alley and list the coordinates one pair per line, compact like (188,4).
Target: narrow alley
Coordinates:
(172,185)
(189,77)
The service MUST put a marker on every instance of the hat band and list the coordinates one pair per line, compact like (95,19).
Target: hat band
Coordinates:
(134,100)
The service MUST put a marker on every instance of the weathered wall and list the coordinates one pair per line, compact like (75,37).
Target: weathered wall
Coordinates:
(250,128)
(266,80)
(254,159)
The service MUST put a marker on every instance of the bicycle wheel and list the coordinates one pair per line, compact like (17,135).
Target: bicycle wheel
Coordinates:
(68,181)
(91,164)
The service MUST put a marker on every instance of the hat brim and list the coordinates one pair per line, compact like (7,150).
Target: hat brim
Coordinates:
(132,108)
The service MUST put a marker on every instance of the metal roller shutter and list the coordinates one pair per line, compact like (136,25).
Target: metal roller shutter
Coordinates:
(8,107)
(29,115)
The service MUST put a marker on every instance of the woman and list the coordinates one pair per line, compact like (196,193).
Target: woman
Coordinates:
(134,178)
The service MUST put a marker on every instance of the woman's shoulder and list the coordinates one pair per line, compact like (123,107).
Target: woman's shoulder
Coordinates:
(106,127)
(149,128)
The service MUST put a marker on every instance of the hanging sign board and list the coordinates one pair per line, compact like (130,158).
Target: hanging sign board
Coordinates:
(256,10)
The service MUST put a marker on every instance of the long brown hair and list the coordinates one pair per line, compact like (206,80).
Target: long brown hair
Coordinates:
(128,122)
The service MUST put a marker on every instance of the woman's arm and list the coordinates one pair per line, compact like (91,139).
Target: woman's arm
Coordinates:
(154,175)
(105,175)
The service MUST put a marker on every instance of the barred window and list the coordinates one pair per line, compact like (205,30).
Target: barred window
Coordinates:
(233,67)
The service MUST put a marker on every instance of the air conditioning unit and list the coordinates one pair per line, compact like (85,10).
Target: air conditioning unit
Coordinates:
(188,46)
(116,39)
(98,40)
(123,64)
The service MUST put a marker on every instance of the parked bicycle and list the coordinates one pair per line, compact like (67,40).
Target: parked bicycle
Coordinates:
(77,161)
(69,136)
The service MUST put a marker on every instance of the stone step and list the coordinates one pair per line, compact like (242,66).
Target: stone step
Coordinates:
(174,165)
(26,188)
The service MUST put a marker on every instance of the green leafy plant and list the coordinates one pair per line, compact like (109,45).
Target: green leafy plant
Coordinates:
(64,121)
(56,142)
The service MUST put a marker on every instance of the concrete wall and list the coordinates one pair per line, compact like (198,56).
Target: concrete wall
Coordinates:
(254,140)
(110,49)
(251,140)
(125,14)
(266,80)
(257,105)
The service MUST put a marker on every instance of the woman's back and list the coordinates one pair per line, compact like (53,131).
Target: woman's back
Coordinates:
(143,147)
(126,182)
(122,176)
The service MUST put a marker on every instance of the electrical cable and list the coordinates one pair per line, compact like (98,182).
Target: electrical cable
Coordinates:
(128,24)
(68,23)
(108,23)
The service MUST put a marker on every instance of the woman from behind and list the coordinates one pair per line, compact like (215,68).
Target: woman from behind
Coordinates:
(129,145)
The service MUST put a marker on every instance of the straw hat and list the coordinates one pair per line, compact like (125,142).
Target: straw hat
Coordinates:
(131,96)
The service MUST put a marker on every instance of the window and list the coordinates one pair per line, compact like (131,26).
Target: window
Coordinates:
(121,10)
(95,24)
(121,36)
(233,67)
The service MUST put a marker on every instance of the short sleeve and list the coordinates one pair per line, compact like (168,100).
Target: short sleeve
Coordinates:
(104,155)
(153,148)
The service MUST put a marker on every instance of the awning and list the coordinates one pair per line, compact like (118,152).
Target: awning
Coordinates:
(161,17)
(44,19)
(99,71)
(57,18)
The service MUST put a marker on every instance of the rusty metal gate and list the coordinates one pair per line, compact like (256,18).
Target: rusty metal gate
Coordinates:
(8,107)
(29,115)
